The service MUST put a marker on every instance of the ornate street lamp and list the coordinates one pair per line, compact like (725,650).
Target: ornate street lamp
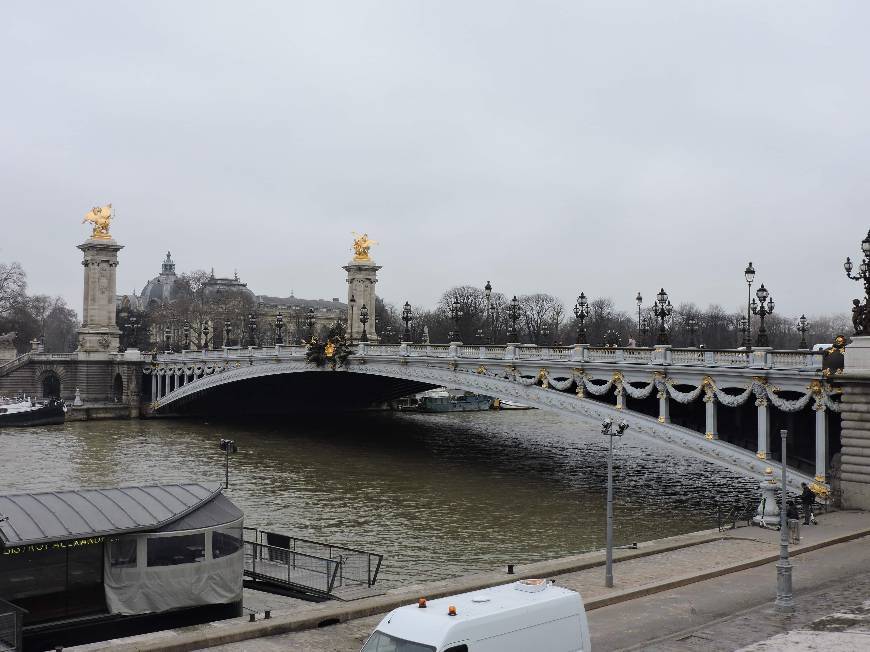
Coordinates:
(456,314)
(205,330)
(167,336)
(352,304)
(639,300)
(279,329)
(545,334)
(692,325)
(581,312)
(310,321)
(363,319)
(186,330)
(228,329)
(662,309)
(388,334)
(228,446)
(861,314)
(487,291)
(252,330)
(513,315)
(743,325)
(406,317)
(133,325)
(749,275)
(763,308)
(644,328)
(802,328)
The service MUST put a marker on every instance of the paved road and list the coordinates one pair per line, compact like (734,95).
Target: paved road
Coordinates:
(712,616)
(695,617)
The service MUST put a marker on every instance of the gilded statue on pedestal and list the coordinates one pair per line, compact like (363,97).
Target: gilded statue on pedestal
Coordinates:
(361,246)
(100,217)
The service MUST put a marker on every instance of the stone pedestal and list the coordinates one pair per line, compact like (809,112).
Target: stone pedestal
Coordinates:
(98,333)
(362,276)
(857,355)
(768,509)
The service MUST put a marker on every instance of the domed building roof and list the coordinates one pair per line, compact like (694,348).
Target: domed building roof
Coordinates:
(162,288)
(217,289)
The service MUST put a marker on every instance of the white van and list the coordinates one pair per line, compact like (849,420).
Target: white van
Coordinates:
(524,616)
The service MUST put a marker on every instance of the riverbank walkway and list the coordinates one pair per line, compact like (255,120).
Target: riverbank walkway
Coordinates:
(731,571)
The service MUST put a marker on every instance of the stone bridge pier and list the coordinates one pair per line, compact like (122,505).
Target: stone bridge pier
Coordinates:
(854,474)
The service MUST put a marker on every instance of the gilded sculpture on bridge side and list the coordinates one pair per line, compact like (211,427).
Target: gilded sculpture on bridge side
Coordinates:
(100,217)
(361,246)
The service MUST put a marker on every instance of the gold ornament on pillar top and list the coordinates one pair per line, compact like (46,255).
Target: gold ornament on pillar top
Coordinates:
(100,217)
(361,246)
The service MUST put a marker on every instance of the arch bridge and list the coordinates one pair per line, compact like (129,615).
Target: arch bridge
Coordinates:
(646,387)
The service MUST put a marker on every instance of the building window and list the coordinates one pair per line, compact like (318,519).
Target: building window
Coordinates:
(122,553)
(172,551)
(226,541)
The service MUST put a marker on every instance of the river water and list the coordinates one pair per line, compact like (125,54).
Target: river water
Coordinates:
(439,495)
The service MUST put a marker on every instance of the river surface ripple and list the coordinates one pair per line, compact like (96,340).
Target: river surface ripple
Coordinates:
(439,495)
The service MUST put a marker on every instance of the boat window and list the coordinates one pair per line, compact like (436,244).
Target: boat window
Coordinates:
(226,541)
(122,553)
(171,551)
(380,642)
(457,648)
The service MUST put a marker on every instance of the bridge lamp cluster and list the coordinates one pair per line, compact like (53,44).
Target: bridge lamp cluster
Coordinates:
(861,314)
(607,427)
(763,308)
(581,312)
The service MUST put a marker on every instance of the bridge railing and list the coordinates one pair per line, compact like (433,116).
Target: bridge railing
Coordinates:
(660,356)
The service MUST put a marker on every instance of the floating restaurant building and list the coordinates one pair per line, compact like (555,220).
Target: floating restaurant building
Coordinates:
(71,561)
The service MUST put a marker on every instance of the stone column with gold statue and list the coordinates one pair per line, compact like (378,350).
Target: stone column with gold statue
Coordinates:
(362,276)
(99,332)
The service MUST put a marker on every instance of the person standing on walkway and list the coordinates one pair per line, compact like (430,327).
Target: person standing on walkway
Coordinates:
(807,500)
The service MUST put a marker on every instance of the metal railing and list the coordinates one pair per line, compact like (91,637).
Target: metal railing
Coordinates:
(729,358)
(728,517)
(313,566)
(275,565)
(11,627)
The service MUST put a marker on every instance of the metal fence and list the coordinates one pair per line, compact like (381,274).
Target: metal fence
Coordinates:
(313,565)
(284,567)
(11,622)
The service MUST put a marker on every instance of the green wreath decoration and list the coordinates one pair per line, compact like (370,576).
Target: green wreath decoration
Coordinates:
(333,351)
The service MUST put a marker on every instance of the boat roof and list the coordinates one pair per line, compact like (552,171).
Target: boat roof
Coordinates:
(49,516)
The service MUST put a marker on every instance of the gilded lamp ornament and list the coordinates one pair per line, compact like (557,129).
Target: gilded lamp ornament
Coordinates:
(100,217)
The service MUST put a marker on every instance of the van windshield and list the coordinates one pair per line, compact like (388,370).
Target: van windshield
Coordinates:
(380,642)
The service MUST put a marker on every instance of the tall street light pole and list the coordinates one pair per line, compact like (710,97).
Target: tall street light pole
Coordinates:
(227,446)
(487,290)
(749,275)
(607,430)
(784,599)
(639,300)
(351,303)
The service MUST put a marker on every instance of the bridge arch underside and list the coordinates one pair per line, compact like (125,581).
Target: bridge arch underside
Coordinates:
(292,393)
(287,388)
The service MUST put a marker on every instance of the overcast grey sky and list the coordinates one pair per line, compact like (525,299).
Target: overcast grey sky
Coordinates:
(607,146)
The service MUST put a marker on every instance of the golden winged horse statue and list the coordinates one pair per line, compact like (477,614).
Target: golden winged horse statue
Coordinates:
(100,217)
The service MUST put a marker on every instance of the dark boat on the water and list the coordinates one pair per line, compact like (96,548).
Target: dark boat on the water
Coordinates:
(32,413)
